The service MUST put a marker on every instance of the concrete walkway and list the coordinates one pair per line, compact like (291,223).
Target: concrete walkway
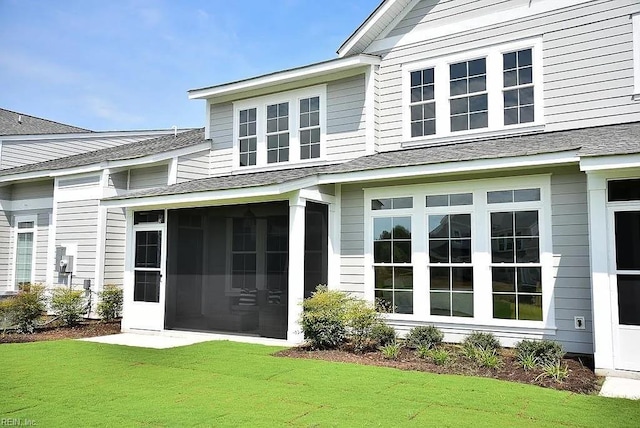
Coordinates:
(173,339)
(619,387)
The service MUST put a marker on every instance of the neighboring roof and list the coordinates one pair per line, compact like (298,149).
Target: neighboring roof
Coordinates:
(236,181)
(373,26)
(13,123)
(285,76)
(135,150)
(595,141)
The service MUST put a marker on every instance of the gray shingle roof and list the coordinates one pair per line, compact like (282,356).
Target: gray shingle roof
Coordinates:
(595,141)
(135,150)
(13,123)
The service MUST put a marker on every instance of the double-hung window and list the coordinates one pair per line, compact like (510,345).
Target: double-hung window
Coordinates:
(497,88)
(24,250)
(280,129)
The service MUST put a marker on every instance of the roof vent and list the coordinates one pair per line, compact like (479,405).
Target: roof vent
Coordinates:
(20,119)
(175,131)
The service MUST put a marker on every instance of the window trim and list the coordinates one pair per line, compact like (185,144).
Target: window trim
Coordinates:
(260,104)
(494,90)
(16,231)
(481,245)
(636,56)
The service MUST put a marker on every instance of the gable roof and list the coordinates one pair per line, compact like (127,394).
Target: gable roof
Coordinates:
(373,26)
(586,142)
(165,143)
(13,123)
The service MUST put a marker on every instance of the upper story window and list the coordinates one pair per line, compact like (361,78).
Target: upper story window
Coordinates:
(487,90)
(281,128)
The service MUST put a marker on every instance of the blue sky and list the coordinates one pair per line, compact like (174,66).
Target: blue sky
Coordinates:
(127,64)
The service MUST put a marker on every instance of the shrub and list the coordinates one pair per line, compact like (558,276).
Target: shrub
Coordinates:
(556,371)
(527,361)
(391,351)
(429,336)
(423,352)
(480,340)
(6,313)
(323,318)
(68,304)
(110,305)
(27,306)
(361,318)
(440,356)
(488,358)
(383,334)
(545,352)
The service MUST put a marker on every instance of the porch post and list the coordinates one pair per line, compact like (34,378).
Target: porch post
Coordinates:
(600,280)
(297,206)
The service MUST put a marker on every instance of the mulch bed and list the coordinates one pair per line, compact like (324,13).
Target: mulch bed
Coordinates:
(89,328)
(581,379)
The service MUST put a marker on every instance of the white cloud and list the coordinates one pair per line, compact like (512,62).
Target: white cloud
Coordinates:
(104,109)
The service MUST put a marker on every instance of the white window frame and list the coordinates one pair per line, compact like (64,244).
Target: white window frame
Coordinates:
(494,89)
(636,56)
(16,220)
(480,244)
(260,104)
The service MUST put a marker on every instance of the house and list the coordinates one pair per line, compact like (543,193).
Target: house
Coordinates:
(473,165)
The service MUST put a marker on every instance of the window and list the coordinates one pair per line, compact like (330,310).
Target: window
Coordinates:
(310,128)
(449,250)
(248,141)
(278,132)
(24,260)
(518,84)
(281,128)
(472,252)
(481,91)
(468,92)
(423,106)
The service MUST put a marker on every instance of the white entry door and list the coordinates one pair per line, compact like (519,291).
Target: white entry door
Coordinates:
(626,287)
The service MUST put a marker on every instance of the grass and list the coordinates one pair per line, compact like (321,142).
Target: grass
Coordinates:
(71,383)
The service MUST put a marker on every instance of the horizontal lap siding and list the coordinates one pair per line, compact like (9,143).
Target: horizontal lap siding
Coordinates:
(5,253)
(346,118)
(76,223)
(42,247)
(28,152)
(193,166)
(144,178)
(352,239)
(32,190)
(587,59)
(572,291)
(114,247)
(222,139)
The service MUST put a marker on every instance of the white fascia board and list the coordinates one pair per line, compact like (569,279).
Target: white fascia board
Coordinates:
(107,165)
(288,76)
(457,167)
(219,196)
(613,162)
(455,27)
(366,26)
(89,135)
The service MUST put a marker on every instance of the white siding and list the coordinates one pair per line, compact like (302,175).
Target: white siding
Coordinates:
(144,178)
(346,118)
(5,253)
(27,152)
(114,247)
(119,180)
(222,139)
(42,246)
(352,239)
(32,190)
(587,60)
(76,223)
(571,260)
(193,166)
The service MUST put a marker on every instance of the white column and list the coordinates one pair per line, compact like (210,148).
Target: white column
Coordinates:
(127,286)
(296,266)
(600,284)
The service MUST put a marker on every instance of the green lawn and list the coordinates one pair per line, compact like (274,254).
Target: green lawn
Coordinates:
(71,383)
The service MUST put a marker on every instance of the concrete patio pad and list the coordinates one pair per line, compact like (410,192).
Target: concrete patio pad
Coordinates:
(618,387)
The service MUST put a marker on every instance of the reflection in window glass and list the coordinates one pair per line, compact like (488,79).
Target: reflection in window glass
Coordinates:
(518,84)
(468,91)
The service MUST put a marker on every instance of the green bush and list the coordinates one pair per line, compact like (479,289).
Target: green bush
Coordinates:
(26,307)
(383,334)
(439,356)
(480,340)
(556,371)
(360,319)
(110,305)
(429,336)
(324,318)
(489,358)
(391,351)
(68,305)
(545,352)
(527,361)
(6,313)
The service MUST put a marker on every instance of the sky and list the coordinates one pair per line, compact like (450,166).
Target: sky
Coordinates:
(128,64)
